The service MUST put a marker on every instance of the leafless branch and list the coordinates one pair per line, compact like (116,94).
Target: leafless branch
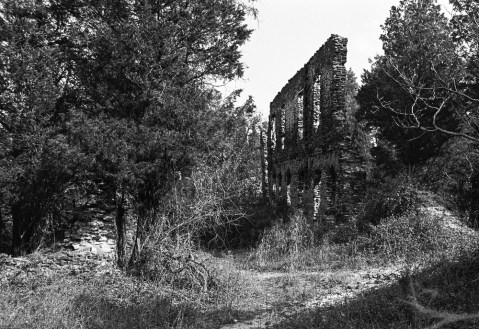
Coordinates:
(444,317)
(434,98)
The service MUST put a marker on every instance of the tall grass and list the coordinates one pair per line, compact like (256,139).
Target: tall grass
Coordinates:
(439,288)
(398,239)
(111,299)
(283,243)
(442,295)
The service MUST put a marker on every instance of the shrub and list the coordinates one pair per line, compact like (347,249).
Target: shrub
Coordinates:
(407,236)
(285,240)
(343,233)
(394,197)
(171,261)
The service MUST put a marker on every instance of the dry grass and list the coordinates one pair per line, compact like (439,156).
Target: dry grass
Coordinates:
(446,295)
(406,239)
(443,267)
(103,302)
(114,300)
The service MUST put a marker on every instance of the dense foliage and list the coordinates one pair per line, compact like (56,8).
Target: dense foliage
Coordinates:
(420,99)
(109,101)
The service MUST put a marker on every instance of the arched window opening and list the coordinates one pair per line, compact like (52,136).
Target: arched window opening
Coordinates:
(274,184)
(332,187)
(316,182)
(288,187)
(283,126)
(301,187)
(300,112)
(279,184)
(317,102)
(272,131)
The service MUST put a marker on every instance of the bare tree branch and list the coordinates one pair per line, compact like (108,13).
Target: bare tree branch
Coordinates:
(428,102)
(444,317)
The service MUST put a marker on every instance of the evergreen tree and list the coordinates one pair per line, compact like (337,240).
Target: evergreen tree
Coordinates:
(399,97)
(109,93)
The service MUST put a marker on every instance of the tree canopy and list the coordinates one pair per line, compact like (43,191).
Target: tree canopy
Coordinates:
(420,99)
(399,94)
(107,96)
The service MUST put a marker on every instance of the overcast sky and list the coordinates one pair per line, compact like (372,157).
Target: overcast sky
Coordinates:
(288,32)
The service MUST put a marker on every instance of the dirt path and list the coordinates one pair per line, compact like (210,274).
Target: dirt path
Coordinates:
(285,294)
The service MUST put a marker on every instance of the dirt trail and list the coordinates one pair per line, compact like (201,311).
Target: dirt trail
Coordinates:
(285,294)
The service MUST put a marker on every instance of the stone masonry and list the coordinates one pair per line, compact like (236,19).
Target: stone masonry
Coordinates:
(311,162)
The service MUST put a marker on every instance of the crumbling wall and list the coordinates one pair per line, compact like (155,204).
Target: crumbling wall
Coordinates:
(312,163)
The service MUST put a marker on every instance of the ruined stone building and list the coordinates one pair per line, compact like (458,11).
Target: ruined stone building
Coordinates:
(312,162)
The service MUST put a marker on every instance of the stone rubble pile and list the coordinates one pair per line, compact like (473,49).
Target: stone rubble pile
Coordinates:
(87,246)
(84,247)
(19,270)
(95,237)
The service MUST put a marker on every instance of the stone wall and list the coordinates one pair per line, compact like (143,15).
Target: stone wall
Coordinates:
(94,235)
(312,163)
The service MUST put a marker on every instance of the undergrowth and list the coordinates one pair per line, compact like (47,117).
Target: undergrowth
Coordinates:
(442,295)
(103,302)
(113,299)
(399,239)
(176,286)
(439,286)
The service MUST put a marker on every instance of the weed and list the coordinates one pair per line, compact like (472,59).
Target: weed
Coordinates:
(282,245)
(117,300)
(407,236)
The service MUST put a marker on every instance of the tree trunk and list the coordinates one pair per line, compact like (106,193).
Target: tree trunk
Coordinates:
(140,227)
(5,243)
(17,231)
(2,223)
(25,221)
(147,202)
(120,231)
(474,203)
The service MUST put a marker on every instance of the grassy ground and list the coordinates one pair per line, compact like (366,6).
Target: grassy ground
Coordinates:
(445,290)
(376,280)
(111,299)
(434,262)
